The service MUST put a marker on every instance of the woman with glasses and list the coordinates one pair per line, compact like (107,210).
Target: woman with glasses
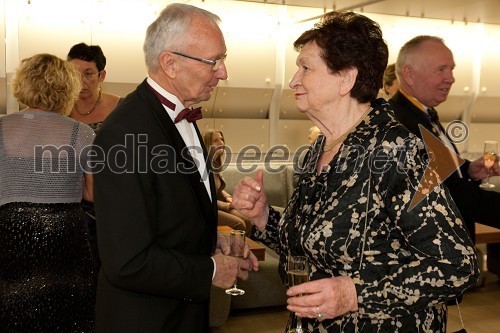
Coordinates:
(91,108)
(93,105)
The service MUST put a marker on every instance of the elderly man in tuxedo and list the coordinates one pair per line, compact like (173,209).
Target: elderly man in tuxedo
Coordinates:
(155,198)
(424,68)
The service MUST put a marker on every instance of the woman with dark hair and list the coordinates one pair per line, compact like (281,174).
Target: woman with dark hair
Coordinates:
(214,144)
(387,246)
(47,283)
(93,105)
(91,108)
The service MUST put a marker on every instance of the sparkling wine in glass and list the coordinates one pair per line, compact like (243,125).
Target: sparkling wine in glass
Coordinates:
(298,272)
(237,248)
(490,155)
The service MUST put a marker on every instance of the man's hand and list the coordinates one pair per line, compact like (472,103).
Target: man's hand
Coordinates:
(477,169)
(229,268)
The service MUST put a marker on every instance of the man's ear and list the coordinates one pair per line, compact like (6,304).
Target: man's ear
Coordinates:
(408,75)
(348,79)
(168,64)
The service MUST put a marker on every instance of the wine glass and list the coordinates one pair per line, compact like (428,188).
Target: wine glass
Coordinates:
(490,155)
(237,248)
(298,272)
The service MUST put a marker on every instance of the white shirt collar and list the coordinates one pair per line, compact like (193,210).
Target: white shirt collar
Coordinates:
(172,98)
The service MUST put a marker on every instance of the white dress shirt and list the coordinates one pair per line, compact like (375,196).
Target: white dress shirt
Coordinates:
(187,132)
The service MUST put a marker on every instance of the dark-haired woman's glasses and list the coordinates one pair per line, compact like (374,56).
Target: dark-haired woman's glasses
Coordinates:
(90,75)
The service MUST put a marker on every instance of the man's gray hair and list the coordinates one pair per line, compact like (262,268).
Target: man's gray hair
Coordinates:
(168,30)
(409,48)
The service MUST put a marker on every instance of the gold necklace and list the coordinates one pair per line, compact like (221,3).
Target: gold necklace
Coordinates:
(334,143)
(92,109)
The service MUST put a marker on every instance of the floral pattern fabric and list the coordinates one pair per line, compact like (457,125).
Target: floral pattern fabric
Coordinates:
(354,219)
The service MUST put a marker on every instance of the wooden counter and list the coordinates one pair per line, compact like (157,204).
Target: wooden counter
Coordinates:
(486,234)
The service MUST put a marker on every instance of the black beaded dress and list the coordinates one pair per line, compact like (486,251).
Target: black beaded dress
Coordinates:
(47,282)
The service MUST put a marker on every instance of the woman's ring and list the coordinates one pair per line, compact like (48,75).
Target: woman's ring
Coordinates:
(319,316)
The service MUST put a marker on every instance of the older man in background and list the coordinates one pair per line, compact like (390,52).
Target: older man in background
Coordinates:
(425,72)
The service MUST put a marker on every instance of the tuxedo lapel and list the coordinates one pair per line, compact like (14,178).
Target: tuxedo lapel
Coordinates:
(183,158)
(411,116)
(209,166)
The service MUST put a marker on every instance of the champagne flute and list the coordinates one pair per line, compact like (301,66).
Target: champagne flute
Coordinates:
(298,272)
(490,155)
(237,248)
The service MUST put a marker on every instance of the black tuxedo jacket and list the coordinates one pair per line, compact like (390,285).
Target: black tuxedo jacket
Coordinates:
(475,204)
(156,224)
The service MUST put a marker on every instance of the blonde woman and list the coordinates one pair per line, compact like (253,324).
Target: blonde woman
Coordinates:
(391,82)
(46,273)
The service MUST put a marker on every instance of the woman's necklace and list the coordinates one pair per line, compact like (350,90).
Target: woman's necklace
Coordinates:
(329,146)
(92,109)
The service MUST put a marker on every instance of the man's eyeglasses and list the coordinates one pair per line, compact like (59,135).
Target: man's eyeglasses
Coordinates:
(216,64)
(90,75)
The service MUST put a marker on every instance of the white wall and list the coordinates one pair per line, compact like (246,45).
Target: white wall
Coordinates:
(260,62)
(3,80)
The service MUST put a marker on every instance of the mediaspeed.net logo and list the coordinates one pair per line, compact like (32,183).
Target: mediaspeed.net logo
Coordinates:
(249,159)
(442,163)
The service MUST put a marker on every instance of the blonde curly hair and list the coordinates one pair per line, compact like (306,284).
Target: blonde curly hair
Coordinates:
(47,82)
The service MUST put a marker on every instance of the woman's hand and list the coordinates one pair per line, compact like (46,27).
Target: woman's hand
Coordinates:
(250,200)
(88,187)
(229,200)
(323,299)
(224,206)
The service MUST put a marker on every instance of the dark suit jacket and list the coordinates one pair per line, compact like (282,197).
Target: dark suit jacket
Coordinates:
(475,204)
(156,224)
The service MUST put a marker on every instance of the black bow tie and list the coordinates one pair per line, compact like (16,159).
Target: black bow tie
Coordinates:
(433,115)
(190,115)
